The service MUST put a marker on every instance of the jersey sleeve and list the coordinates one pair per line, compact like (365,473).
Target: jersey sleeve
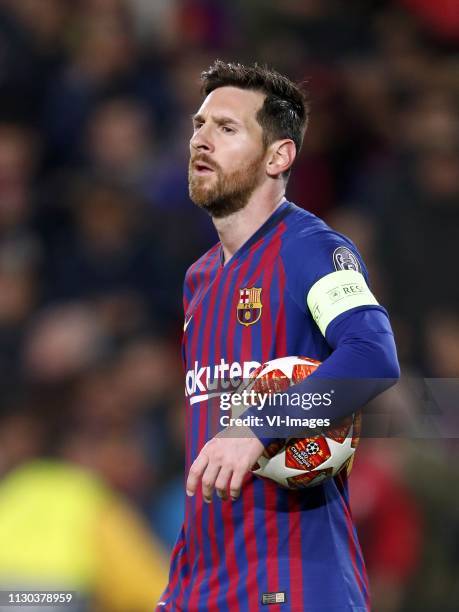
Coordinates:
(327,277)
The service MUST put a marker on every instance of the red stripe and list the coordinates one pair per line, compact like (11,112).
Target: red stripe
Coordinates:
(266,322)
(219,334)
(198,281)
(193,600)
(191,281)
(180,565)
(175,577)
(281,324)
(365,579)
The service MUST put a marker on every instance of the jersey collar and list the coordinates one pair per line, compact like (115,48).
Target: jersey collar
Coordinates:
(277,216)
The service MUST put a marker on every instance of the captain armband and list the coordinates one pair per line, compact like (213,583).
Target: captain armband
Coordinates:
(336,293)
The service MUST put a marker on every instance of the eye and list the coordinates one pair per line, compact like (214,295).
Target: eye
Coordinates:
(227,130)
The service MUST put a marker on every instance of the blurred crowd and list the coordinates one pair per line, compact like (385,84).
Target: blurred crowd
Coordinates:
(96,232)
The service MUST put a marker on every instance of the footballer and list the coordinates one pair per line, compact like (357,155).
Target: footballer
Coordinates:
(263,292)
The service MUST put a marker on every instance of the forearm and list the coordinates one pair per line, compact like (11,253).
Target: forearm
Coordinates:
(363,364)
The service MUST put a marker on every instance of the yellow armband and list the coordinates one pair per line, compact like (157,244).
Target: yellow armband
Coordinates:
(336,293)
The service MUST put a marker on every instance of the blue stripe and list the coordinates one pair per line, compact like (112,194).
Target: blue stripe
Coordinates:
(283,520)
(359,557)
(261,534)
(183,573)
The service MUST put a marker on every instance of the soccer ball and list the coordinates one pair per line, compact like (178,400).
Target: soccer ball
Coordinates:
(297,463)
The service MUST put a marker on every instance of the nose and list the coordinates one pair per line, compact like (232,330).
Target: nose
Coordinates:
(201,141)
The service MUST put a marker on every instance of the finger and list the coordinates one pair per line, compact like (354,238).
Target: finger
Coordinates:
(195,473)
(208,481)
(222,482)
(236,483)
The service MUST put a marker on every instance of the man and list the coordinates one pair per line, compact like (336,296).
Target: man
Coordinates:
(266,546)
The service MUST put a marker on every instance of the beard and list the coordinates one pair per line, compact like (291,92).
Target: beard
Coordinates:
(222,194)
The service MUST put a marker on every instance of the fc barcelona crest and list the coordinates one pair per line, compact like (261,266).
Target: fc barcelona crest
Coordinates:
(249,307)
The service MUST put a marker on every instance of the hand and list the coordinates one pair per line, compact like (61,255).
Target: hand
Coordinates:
(224,461)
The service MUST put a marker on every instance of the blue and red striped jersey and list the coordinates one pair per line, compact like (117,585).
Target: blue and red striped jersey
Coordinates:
(272,549)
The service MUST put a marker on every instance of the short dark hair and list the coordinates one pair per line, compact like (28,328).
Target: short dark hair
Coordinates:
(285,110)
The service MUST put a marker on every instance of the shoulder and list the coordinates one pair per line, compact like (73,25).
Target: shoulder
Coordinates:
(312,246)
(199,273)
(201,265)
(305,233)
(318,261)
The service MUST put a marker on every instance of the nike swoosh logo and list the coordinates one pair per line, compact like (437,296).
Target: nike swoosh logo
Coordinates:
(186,323)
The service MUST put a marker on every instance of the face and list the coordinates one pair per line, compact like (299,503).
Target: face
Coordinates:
(227,153)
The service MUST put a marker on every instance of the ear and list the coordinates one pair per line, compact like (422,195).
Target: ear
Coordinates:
(281,156)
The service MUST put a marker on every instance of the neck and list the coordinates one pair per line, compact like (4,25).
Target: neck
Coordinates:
(237,228)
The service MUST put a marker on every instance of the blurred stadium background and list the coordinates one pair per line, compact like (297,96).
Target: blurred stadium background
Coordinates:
(96,232)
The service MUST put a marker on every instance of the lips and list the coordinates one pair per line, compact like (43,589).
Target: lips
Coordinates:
(202,167)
